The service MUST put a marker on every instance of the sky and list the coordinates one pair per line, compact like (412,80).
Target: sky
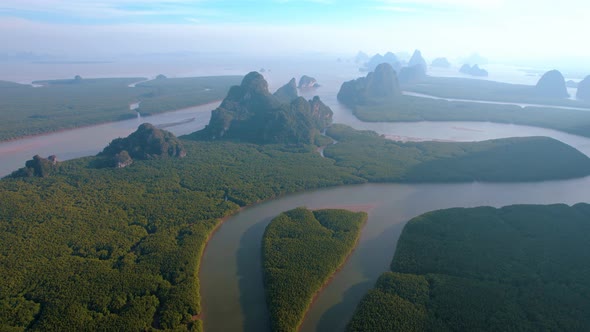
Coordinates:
(452,28)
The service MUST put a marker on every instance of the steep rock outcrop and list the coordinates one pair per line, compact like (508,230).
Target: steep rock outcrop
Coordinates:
(382,84)
(307,82)
(288,92)
(584,89)
(418,60)
(38,166)
(250,113)
(552,85)
(147,142)
(361,57)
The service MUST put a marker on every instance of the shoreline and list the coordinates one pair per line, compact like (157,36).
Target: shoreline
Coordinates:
(355,208)
(61,130)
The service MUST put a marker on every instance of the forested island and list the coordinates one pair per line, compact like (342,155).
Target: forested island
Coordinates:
(518,268)
(301,250)
(88,247)
(65,104)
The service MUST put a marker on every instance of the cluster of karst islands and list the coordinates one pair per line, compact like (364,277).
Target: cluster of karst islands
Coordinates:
(114,241)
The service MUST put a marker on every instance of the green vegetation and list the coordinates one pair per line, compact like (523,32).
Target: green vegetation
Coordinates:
(167,94)
(147,142)
(376,99)
(301,250)
(514,159)
(250,113)
(379,87)
(91,248)
(474,89)
(410,108)
(38,166)
(518,268)
(63,104)
(119,249)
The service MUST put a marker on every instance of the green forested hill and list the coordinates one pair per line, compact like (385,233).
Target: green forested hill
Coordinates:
(301,250)
(518,268)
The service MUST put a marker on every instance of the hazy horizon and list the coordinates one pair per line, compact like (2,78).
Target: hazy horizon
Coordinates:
(537,32)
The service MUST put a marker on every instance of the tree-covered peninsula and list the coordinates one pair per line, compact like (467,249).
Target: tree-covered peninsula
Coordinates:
(378,159)
(518,268)
(301,250)
(65,104)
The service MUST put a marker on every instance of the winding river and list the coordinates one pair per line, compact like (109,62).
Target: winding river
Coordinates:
(231,271)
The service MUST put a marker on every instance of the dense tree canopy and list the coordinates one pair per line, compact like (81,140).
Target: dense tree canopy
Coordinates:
(518,268)
(91,248)
(301,250)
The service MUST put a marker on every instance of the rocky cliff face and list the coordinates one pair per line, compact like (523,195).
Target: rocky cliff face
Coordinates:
(418,60)
(250,113)
(288,92)
(382,84)
(307,82)
(38,166)
(584,89)
(147,142)
(378,59)
(552,85)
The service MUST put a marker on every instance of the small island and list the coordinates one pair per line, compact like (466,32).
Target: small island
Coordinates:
(552,85)
(308,82)
(473,70)
(378,59)
(441,63)
(301,250)
(484,269)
